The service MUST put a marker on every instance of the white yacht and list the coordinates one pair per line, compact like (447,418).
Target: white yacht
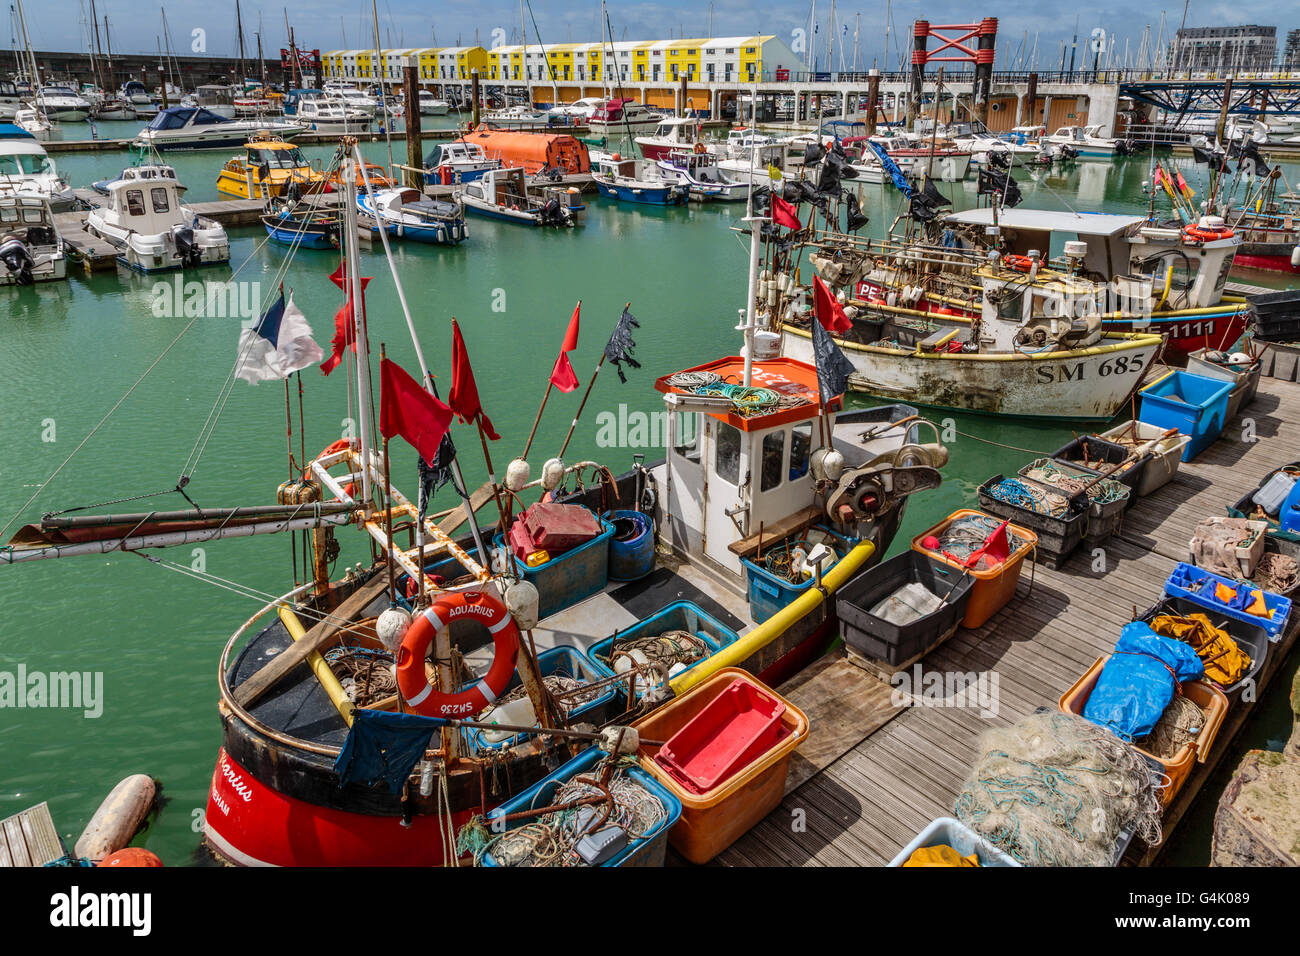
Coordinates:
(133,95)
(579,111)
(62,104)
(31,249)
(152,229)
(1086,141)
(353,97)
(626,116)
(27,170)
(430,105)
(10,100)
(35,124)
(184,127)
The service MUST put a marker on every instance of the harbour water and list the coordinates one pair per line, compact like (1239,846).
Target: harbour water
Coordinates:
(73,350)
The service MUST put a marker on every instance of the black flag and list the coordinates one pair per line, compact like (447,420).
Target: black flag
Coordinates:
(620,345)
(854,216)
(436,474)
(833,368)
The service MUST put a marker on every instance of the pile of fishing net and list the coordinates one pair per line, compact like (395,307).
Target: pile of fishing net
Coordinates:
(574,809)
(1030,496)
(1279,573)
(746,400)
(1048,471)
(569,693)
(969,534)
(1057,790)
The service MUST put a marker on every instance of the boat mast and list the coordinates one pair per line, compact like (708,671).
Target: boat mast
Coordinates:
(383,99)
(239,31)
(755,228)
(104,81)
(362,363)
(31,57)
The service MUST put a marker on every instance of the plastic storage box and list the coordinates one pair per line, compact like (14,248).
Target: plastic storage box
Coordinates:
(1285,542)
(1104,456)
(1247,556)
(960,837)
(1277,315)
(1103,517)
(1244,378)
(769,593)
(711,822)
(570,577)
(1195,405)
(649,850)
(1057,537)
(881,640)
(678,616)
(992,589)
(735,729)
(1208,697)
(1251,638)
(563,661)
(1165,456)
(1198,585)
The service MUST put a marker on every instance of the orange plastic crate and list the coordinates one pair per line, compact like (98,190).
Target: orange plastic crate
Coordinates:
(994,588)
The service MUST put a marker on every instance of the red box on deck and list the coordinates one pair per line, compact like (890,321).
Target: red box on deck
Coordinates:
(554,528)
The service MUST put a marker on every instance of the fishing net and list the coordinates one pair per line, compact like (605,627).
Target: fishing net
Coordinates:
(1057,790)
(670,647)
(1049,472)
(1178,726)
(1278,573)
(1030,496)
(967,534)
(569,693)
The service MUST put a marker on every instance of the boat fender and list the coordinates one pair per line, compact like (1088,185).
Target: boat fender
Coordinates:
(411,680)
(522,601)
(552,474)
(833,465)
(1295,258)
(518,473)
(620,740)
(118,818)
(134,856)
(391,627)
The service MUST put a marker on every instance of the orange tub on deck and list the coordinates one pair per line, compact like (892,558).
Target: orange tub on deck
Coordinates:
(714,820)
(1178,767)
(994,588)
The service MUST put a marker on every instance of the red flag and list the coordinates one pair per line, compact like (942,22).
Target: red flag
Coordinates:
(784,214)
(344,326)
(464,390)
(828,310)
(406,409)
(562,376)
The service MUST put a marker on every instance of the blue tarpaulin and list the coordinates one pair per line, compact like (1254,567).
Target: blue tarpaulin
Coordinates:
(891,167)
(384,746)
(1139,681)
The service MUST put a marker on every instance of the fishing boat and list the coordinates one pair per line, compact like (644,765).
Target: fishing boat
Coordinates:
(31,249)
(699,172)
(673,134)
(62,104)
(150,226)
(181,127)
(269,168)
(618,117)
(450,164)
(299,223)
(431,105)
(27,170)
(503,194)
(942,161)
(409,214)
(622,179)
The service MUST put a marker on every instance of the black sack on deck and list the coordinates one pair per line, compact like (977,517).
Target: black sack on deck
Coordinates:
(855,218)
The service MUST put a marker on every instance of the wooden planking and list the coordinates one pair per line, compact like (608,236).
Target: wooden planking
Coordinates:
(29,838)
(867,804)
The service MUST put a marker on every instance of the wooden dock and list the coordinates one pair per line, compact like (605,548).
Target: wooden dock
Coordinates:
(29,838)
(896,769)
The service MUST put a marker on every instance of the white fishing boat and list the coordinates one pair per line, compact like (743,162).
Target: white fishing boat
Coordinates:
(503,194)
(150,226)
(409,214)
(431,105)
(31,249)
(182,127)
(627,181)
(700,173)
(618,117)
(27,170)
(457,162)
(674,133)
(763,164)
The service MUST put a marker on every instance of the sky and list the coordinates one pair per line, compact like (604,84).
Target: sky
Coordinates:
(326,24)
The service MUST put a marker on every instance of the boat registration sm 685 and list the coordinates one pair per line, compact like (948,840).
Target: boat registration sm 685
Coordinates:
(1081,369)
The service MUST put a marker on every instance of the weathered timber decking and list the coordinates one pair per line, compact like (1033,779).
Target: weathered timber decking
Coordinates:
(863,807)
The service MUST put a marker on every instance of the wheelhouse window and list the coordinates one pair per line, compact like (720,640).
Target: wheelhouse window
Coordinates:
(800,449)
(158,196)
(726,457)
(773,458)
(135,202)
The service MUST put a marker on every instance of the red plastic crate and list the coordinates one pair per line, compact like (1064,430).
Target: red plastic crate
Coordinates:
(558,528)
(735,729)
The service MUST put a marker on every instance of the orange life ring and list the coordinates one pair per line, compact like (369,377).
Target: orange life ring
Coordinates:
(1206,235)
(415,687)
(336,447)
(700,148)
(1019,263)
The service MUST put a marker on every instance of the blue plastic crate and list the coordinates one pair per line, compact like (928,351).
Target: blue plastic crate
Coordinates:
(646,851)
(570,577)
(1194,404)
(960,837)
(769,593)
(566,661)
(678,616)
(1191,582)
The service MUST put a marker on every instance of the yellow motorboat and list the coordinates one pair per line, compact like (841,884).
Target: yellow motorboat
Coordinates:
(270,169)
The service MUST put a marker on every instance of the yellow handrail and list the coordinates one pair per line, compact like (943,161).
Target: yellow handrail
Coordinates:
(733,655)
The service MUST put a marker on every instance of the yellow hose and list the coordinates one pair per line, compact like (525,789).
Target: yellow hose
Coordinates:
(1169,281)
(734,655)
(328,681)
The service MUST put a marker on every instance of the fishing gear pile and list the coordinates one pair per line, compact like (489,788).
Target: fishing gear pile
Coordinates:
(969,534)
(1048,472)
(1030,496)
(1057,790)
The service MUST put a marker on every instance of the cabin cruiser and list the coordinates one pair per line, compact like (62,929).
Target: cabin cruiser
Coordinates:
(625,181)
(62,104)
(215,98)
(408,214)
(324,114)
(1086,141)
(270,168)
(183,127)
(26,169)
(137,97)
(516,117)
(985,146)
(430,105)
(579,111)
(700,173)
(618,117)
(673,133)
(353,97)
(503,194)
(31,249)
(35,124)
(457,162)
(150,226)
(10,101)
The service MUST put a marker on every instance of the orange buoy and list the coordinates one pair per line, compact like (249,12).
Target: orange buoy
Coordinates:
(131,856)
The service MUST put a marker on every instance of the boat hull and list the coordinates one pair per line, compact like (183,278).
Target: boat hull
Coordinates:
(1187,333)
(645,195)
(1083,385)
(1266,256)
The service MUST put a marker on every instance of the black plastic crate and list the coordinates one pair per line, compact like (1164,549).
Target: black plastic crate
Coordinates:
(1275,540)
(1252,638)
(1057,537)
(897,643)
(1099,450)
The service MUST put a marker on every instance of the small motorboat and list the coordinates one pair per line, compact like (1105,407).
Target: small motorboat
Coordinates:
(503,194)
(1086,141)
(26,169)
(698,171)
(516,117)
(353,98)
(184,127)
(31,249)
(35,124)
(270,168)
(62,104)
(673,134)
(409,214)
(621,179)
(449,164)
(622,116)
(150,226)
(324,112)
(301,224)
(430,105)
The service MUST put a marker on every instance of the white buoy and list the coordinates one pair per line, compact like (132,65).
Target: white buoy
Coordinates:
(117,819)
(522,602)
(517,474)
(1295,258)
(391,627)
(552,474)
(833,465)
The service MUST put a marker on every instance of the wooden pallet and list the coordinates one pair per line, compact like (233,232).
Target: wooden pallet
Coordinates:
(29,838)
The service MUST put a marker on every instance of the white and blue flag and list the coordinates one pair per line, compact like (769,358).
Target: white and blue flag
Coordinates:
(278,345)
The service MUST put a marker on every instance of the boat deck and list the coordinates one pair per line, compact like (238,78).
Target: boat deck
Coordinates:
(895,770)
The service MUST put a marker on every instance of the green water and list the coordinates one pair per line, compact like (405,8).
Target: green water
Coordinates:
(73,349)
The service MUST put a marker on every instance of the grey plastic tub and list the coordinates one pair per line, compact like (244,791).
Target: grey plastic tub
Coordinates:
(1165,457)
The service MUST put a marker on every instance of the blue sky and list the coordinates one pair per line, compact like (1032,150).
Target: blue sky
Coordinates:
(61,24)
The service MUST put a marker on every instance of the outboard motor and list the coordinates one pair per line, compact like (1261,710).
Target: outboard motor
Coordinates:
(553,214)
(14,254)
(186,248)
